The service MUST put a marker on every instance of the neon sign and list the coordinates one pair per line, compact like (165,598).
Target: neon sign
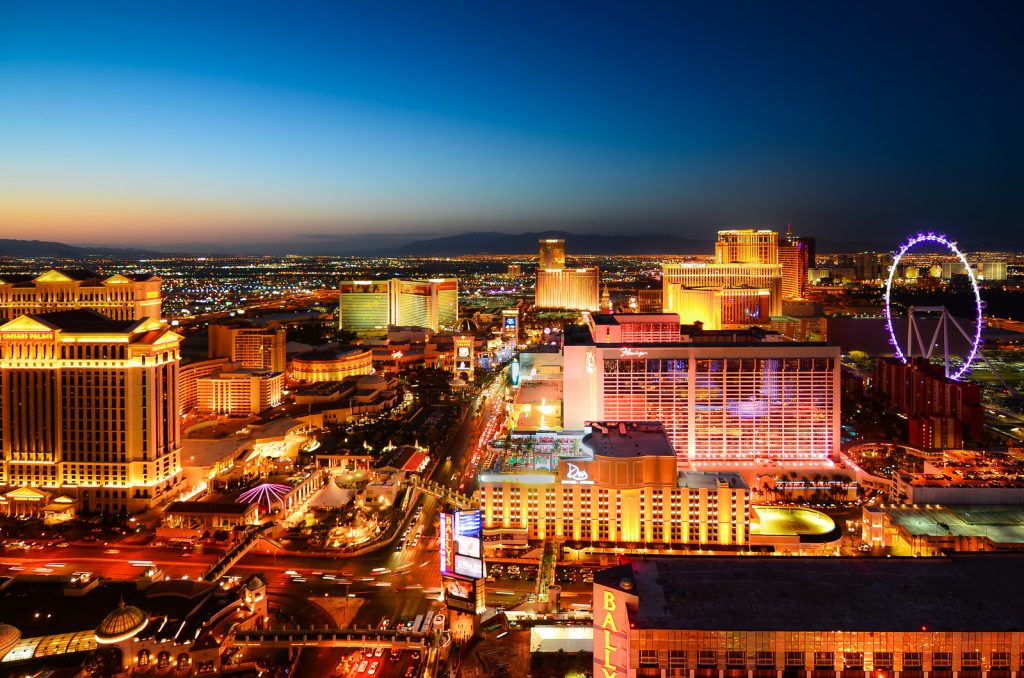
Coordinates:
(446,549)
(627,352)
(575,472)
(611,635)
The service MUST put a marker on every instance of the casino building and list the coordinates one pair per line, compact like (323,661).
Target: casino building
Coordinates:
(725,396)
(569,288)
(120,297)
(332,365)
(736,617)
(90,405)
(366,305)
(615,484)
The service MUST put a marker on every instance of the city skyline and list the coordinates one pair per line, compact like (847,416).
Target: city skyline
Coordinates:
(210,125)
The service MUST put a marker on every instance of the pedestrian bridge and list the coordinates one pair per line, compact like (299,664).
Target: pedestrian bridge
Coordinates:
(445,494)
(355,638)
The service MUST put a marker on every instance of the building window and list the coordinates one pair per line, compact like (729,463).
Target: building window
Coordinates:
(883,660)
(735,658)
(765,659)
(648,657)
(794,659)
(707,658)
(943,660)
(824,659)
(1000,660)
(913,660)
(969,660)
(853,660)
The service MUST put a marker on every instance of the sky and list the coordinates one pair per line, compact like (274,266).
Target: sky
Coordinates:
(234,124)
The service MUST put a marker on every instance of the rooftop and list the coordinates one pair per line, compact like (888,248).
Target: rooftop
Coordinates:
(628,439)
(208,508)
(711,480)
(1000,523)
(628,318)
(331,354)
(84,320)
(825,594)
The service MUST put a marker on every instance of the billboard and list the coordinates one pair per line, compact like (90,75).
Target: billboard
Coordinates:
(460,538)
(468,536)
(465,595)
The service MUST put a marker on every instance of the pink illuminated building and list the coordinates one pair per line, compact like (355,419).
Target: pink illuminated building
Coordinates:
(730,395)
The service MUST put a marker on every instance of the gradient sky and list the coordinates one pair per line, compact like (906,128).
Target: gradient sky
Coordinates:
(147,123)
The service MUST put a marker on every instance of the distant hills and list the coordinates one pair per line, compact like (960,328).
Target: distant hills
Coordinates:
(10,247)
(575,243)
(477,242)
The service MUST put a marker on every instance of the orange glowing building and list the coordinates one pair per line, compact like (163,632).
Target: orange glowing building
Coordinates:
(119,297)
(90,406)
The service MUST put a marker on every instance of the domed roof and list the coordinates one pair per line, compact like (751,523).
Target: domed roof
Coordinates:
(124,622)
(467,325)
(9,635)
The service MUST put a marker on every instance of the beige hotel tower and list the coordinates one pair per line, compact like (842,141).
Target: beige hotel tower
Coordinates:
(88,405)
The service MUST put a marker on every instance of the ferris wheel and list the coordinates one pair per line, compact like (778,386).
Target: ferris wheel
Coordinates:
(915,341)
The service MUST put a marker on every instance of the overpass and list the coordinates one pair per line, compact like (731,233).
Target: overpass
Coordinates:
(444,493)
(235,553)
(351,638)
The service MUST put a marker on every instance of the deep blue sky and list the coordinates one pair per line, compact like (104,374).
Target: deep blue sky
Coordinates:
(144,122)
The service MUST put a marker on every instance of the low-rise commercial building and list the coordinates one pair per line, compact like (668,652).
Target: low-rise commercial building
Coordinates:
(931,530)
(241,392)
(708,617)
(621,487)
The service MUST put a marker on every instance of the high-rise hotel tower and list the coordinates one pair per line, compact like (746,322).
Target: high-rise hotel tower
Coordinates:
(120,297)
(368,306)
(564,288)
(90,408)
(724,396)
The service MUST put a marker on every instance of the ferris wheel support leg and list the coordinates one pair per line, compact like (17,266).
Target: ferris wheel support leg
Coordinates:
(981,354)
(935,339)
(945,345)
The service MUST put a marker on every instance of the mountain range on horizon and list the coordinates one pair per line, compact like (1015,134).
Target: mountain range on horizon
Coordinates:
(471,243)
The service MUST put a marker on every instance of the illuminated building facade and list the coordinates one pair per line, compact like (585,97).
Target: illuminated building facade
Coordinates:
(607,328)
(240,392)
(940,412)
(720,308)
(373,306)
(552,253)
(737,396)
(676,276)
(463,362)
(332,365)
(364,305)
(707,617)
(120,297)
(254,348)
(747,246)
(90,405)
(569,288)
(794,258)
(188,380)
(620,486)
(432,303)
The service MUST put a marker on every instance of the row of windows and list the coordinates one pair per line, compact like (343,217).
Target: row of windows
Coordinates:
(851,660)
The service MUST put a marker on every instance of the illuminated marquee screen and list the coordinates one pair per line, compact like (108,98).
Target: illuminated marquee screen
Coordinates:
(468,529)
(510,322)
